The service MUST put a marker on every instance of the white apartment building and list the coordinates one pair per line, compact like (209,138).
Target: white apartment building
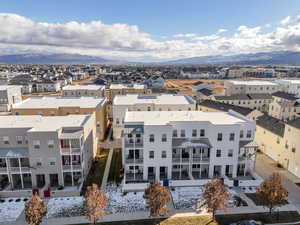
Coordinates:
(83,90)
(290,86)
(284,106)
(49,155)
(234,87)
(135,102)
(9,95)
(187,148)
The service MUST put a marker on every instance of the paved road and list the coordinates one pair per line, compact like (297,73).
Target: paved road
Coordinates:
(265,166)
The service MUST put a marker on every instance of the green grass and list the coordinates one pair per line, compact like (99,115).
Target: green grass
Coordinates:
(115,167)
(97,170)
(281,217)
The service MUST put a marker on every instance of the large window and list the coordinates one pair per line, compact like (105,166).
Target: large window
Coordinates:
(175,134)
(182,133)
(231,137)
(164,154)
(164,138)
(248,133)
(151,154)
(218,153)
(194,133)
(220,136)
(202,133)
(151,138)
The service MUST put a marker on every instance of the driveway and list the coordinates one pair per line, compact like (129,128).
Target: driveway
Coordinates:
(265,166)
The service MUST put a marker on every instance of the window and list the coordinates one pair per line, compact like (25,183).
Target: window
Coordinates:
(202,133)
(98,124)
(36,144)
(6,140)
(164,138)
(175,133)
(218,153)
(293,149)
(51,144)
(220,136)
(52,162)
(151,138)
(231,137)
(241,134)
(230,152)
(164,154)
(182,133)
(117,121)
(151,154)
(248,133)
(19,140)
(194,133)
(148,108)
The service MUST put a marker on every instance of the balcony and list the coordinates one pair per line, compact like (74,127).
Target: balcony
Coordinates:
(69,150)
(134,177)
(137,143)
(23,169)
(134,160)
(178,159)
(75,167)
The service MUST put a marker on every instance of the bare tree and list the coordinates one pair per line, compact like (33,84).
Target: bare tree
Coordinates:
(35,210)
(158,197)
(95,202)
(215,195)
(271,192)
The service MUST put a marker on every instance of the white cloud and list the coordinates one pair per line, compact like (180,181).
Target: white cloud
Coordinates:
(122,41)
(286,20)
(222,30)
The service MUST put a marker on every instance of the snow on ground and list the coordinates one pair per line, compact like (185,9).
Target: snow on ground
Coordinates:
(186,197)
(120,203)
(10,209)
(65,207)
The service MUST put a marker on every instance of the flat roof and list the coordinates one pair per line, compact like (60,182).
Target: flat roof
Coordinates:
(5,87)
(288,81)
(253,82)
(58,101)
(165,117)
(127,86)
(162,99)
(42,123)
(84,87)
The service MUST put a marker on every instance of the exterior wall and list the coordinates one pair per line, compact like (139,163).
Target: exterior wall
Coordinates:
(79,93)
(48,87)
(283,109)
(119,112)
(290,87)
(9,97)
(283,149)
(113,92)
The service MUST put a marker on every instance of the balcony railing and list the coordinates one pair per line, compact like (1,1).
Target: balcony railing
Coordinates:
(132,160)
(75,167)
(70,150)
(192,159)
(17,169)
(134,143)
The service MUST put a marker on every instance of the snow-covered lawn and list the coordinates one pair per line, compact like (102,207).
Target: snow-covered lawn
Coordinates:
(65,207)
(186,197)
(120,203)
(10,209)
(117,203)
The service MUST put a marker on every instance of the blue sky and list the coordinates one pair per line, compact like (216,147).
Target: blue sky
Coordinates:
(151,28)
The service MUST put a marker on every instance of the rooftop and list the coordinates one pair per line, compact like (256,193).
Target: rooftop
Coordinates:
(5,87)
(285,95)
(58,101)
(243,97)
(271,124)
(162,99)
(253,82)
(288,81)
(295,123)
(126,86)
(84,87)
(165,117)
(43,123)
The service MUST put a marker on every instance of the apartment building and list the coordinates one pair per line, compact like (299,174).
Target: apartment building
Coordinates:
(61,106)
(124,89)
(141,102)
(187,148)
(234,87)
(46,85)
(252,101)
(83,90)
(9,95)
(49,155)
(290,86)
(284,106)
(280,141)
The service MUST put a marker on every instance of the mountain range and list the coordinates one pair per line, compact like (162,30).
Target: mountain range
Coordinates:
(263,58)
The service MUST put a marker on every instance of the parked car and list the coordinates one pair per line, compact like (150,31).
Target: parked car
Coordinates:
(247,222)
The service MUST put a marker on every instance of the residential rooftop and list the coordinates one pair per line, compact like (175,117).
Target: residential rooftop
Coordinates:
(271,124)
(243,97)
(285,95)
(58,101)
(289,81)
(162,99)
(166,117)
(127,86)
(84,87)
(43,123)
(253,82)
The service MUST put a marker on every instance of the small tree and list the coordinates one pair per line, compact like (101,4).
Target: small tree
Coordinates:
(271,192)
(35,210)
(95,202)
(215,195)
(158,197)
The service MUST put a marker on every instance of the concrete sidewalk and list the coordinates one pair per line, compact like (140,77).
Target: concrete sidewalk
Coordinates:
(107,167)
